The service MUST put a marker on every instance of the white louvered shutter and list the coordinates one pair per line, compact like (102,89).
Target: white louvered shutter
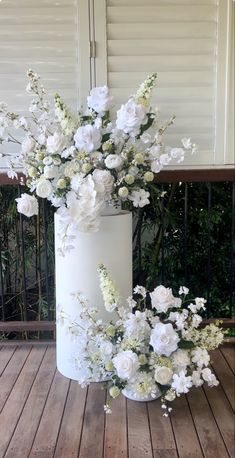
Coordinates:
(186,43)
(42,35)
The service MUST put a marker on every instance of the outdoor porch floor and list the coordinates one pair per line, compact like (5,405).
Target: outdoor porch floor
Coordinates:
(43,414)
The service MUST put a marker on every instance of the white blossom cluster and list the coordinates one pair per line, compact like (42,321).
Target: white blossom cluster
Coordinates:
(159,348)
(79,162)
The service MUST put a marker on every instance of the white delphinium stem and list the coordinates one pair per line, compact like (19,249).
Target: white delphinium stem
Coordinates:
(110,294)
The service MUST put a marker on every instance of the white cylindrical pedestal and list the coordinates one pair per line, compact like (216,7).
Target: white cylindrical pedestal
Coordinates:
(77,272)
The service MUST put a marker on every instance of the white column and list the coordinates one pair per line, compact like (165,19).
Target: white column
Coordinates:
(77,271)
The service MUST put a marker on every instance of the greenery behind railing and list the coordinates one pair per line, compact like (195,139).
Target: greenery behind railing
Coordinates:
(183,238)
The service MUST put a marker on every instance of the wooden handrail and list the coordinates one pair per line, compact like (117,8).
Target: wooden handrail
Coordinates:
(167,176)
(20,326)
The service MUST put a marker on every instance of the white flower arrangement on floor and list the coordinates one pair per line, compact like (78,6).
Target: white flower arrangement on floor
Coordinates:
(81,162)
(155,346)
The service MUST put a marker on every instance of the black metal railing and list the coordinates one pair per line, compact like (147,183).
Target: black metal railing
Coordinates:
(187,238)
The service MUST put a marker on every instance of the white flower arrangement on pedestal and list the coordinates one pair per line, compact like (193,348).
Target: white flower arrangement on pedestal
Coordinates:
(155,348)
(81,162)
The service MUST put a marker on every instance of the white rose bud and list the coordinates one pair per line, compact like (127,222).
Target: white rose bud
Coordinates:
(44,188)
(32,172)
(148,176)
(61,183)
(86,168)
(129,179)
(123,192)
(114,392)
(27,205)
(113,161)
(139,158)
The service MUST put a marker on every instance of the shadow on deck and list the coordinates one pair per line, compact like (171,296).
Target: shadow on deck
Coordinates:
(45,415)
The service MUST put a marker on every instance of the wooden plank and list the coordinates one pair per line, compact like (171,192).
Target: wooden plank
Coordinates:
(5,355)
(11,372)
(229,354)
(161,431)
(19,326)
(209,435)
(139,438)
(13,407)
(224,374)
(22,439)
(68,441)
(46,437)
(115,444)
(92,441)
(223,415)
(186,438)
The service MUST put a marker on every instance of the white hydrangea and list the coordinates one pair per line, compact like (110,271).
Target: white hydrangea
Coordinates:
(181,383)
(99,100)
(87,138)
(136,326)
(180,359)
(200,357)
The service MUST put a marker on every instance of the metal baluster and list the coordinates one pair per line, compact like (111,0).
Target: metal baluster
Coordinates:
(2,285)
(162,240)
(209,247)
(44,216)
(232,283)
(185,232)
(22,243)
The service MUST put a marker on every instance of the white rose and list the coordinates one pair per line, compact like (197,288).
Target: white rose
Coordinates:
(55,142)
(180,359)
(126,364)
(50,171)
(28,145)
(104,178)
(70,169)
(113,161)
(163,375)
(162,298)
(44,188)
(27,205)
(164,339)
(99,99)
(87,138)
(130,117)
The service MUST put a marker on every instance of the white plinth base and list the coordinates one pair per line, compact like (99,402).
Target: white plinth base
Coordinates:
(77,272)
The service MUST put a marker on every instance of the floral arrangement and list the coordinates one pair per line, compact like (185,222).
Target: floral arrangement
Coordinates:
(80,162)
(154,348)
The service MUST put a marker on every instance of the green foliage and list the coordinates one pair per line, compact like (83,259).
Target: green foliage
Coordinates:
(172,246)
(191,248)
(23,260)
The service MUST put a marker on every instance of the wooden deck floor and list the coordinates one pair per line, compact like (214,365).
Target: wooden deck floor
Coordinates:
(46,415)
